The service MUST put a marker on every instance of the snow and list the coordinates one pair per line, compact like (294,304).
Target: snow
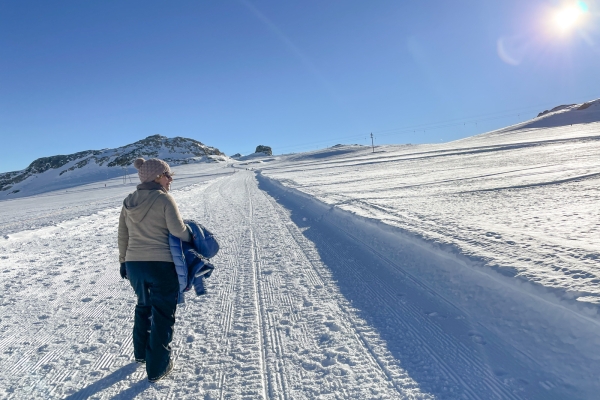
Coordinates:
(567,115)
(464,270)
(523,202)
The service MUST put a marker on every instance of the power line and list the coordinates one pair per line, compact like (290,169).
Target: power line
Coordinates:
(415,128)
(426,126)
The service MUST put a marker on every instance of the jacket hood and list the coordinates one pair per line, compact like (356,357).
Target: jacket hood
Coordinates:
(138,203)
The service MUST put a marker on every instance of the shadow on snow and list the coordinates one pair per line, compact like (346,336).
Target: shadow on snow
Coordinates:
(445,351)
(109,380)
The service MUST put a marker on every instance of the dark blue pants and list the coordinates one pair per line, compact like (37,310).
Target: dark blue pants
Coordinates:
(156,286)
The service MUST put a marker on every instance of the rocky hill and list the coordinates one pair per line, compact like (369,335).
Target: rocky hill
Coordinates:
(567,114)
(96,164)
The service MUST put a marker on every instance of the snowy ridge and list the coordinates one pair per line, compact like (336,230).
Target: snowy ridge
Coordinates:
(64,171)
(569,114)
(387,263)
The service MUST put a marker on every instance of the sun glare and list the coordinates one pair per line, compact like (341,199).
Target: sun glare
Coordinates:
(568,17)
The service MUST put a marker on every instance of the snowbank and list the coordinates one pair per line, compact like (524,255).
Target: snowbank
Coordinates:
(541,331)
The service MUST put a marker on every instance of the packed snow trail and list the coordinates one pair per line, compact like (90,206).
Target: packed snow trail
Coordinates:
(296,309)
(272,325)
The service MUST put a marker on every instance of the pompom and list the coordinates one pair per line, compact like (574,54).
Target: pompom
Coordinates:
(138,163)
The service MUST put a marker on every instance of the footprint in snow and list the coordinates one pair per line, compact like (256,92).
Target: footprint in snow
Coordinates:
(477,338)
(309,366)
(334,327)
(328,362)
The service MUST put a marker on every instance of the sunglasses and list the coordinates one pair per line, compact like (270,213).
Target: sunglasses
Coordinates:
(169,175)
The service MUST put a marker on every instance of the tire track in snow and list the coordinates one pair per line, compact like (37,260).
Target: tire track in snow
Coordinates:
(292,331)
(235,366)
(277,387)
(266,382)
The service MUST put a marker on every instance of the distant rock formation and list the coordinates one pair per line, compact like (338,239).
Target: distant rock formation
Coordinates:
(564,115)
(588,104)
(236,155)
(264,149)
(557,108)
(177,150)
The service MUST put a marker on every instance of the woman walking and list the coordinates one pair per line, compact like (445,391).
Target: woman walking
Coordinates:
(148,216)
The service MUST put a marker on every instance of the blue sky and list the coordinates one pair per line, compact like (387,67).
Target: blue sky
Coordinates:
(295,75)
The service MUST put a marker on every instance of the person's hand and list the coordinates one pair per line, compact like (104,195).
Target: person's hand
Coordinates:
(123,271)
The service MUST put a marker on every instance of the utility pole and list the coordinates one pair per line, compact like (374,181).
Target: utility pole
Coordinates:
(372,144)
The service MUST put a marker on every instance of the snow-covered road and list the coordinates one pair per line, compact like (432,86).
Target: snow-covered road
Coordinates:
(302,306)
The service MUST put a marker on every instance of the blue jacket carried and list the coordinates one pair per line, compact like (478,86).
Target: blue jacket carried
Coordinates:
(192,258)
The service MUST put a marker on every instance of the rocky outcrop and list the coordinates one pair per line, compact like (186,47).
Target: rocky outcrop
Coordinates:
(177,150)
(151,147)
(588,104)
(264,149)
(557,108)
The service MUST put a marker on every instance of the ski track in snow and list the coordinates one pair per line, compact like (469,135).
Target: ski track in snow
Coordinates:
(299,307)
(270,326)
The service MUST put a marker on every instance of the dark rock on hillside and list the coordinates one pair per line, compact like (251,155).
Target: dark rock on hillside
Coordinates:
(41,165)
(264,149)
(150,146)
(557,108)
(582,106)
(177,150)
(588,104)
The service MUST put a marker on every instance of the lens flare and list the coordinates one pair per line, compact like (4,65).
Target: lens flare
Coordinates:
(582,6)
(570,16)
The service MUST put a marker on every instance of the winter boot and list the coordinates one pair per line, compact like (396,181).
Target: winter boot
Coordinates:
(167,371)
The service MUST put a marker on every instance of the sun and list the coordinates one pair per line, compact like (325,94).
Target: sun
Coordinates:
(569,16)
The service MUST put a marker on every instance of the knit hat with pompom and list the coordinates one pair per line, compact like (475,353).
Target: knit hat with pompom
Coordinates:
(149,170)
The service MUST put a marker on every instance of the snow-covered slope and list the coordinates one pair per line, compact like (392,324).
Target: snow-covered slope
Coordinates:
(255,158)
(523,202)
(565,115)
(307,302)
(465,270)
(64,171)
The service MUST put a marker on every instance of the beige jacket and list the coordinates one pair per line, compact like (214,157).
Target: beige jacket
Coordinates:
(147,218)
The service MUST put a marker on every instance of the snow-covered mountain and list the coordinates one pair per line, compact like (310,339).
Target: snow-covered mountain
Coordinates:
(63,171)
